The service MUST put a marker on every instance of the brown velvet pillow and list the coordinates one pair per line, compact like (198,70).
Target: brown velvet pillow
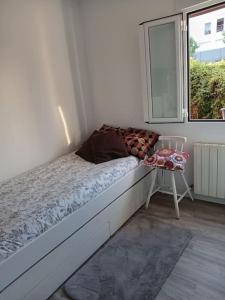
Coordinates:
(85,150)
(102,147)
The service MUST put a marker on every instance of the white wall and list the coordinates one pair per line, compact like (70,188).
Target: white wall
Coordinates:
(111,37)
(39,72)
(43,56)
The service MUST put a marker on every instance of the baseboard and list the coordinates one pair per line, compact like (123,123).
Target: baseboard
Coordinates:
(209,199)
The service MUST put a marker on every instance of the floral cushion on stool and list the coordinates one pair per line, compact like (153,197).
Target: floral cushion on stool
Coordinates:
(169,159)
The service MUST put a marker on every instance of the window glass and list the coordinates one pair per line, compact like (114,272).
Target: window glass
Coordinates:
(163,71)
(206,64)
(220,25)
(207,28)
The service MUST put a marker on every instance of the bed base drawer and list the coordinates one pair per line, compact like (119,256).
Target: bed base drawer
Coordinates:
(60,263)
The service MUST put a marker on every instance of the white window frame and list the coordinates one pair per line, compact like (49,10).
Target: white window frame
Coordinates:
(146,69)
(184,46)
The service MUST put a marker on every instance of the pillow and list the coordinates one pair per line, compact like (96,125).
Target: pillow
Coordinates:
(85,151)
(169,159)
(107,128)
(139,141)
(102,147)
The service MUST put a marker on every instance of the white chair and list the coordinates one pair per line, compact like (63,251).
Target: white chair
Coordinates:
(172,143)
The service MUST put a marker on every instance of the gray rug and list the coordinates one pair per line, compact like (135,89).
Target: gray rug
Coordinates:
(132,265)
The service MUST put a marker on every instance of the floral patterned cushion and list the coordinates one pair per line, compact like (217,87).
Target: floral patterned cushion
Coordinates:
(139,141)
(169,159)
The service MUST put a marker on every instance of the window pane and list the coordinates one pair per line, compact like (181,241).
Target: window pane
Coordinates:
(163,70)
(208,28)
(220,25)
(207,64)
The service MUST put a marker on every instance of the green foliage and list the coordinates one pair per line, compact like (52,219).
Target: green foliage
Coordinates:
(207,88)
(193,46)
(223,34)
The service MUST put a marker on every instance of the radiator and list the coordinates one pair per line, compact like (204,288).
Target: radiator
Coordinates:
(209,170)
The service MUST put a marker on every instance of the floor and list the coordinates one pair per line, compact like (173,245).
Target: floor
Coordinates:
(200,271)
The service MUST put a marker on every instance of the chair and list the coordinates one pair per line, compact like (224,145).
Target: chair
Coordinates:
(169,157)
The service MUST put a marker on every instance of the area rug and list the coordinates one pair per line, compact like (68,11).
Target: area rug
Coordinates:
(133,264)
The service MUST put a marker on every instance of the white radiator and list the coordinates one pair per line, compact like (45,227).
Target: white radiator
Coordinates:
(209,170)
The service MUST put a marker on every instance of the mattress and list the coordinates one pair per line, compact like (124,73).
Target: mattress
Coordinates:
(33,202)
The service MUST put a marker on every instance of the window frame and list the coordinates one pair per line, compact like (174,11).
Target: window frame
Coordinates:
(146,69)
(186,14)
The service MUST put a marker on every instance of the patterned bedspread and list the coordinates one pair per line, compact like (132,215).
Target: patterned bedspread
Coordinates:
(33,202)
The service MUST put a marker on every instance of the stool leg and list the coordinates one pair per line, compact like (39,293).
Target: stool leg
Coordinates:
(187,186)
(175,195)
(151,187)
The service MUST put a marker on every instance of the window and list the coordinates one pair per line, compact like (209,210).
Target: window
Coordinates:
(207,28)
(206,65)
(162,69)
(169,94)
(220,25)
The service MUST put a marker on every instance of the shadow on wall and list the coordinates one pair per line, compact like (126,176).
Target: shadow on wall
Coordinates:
(68,16)
(78,64)
(58,52)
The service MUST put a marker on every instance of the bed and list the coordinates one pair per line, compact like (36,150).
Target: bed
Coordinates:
(57,215)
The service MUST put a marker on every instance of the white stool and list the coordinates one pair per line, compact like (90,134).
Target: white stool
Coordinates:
(176,144)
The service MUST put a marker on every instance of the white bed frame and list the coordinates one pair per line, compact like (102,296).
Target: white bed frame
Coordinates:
(38,269)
